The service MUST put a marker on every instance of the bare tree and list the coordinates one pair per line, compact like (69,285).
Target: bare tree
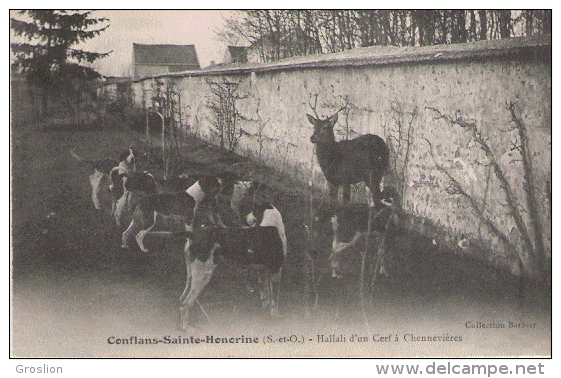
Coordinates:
(223,104)
(532,257)
(277,34)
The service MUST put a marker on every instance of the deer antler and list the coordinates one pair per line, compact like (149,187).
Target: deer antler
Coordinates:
(345,105)
(314,107)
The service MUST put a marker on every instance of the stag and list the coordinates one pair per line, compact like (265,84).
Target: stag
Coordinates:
(362,159)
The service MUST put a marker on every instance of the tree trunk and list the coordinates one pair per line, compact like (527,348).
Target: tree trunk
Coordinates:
(472,30)
(505,23)
(483,22)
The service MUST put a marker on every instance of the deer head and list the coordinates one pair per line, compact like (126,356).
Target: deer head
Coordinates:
(323,129)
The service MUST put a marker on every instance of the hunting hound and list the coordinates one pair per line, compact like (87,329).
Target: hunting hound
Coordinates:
(256,248)
(100,179)
(182,204)
(352,222)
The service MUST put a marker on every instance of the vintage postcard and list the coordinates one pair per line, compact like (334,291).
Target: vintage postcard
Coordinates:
(303,183)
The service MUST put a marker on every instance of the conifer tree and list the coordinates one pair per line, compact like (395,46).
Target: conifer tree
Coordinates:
(45,50)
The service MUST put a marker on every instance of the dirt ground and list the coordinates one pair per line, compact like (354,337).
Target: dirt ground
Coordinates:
(75,293)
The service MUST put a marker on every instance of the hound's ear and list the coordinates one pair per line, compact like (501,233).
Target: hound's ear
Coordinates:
(312,120)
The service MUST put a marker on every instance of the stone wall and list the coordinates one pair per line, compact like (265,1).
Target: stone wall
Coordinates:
(390,92)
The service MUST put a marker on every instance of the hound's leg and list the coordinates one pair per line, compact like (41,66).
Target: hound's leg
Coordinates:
(380,260)
(333,192)
(126,234)
(201,272)
(236,211)
(188,267)
(196,278)
(262,289)
(191,227)
(338,249)
(113,207)
(142,234)
(138,222)
(210,210)
(120,208)
(248,283)
(95,179)
(346,193)
(219,220)
(210,215)
(267,293)
(275,294)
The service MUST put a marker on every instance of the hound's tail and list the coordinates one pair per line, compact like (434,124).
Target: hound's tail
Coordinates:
(81,159)
(102,165)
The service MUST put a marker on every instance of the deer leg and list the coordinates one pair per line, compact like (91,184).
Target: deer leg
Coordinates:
(374,187)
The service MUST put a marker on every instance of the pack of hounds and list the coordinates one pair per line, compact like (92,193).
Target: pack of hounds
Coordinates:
(140,203)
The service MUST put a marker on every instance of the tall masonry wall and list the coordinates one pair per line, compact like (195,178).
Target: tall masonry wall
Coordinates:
(415,98)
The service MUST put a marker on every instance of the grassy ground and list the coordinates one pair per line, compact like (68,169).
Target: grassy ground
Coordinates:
(74,288)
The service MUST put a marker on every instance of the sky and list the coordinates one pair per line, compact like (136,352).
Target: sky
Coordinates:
(156,27)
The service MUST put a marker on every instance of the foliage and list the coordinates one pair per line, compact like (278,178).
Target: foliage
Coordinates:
(45,49)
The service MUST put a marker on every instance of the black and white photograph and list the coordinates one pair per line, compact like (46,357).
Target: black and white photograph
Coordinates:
(281,184)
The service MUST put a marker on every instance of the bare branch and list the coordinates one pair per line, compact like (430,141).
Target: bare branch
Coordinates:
(529,188)
(505,185)
(488,222)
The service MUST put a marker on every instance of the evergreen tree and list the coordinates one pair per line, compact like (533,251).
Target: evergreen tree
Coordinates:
(45,50)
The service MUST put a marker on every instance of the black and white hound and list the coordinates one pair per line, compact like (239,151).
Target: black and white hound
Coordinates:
(266,215)
(182,204)
(100,179)
(350,224)
(129,188)
(256,248)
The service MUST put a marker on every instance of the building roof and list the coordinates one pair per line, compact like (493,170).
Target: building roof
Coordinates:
(531,48)
(165,55)
(238,54)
